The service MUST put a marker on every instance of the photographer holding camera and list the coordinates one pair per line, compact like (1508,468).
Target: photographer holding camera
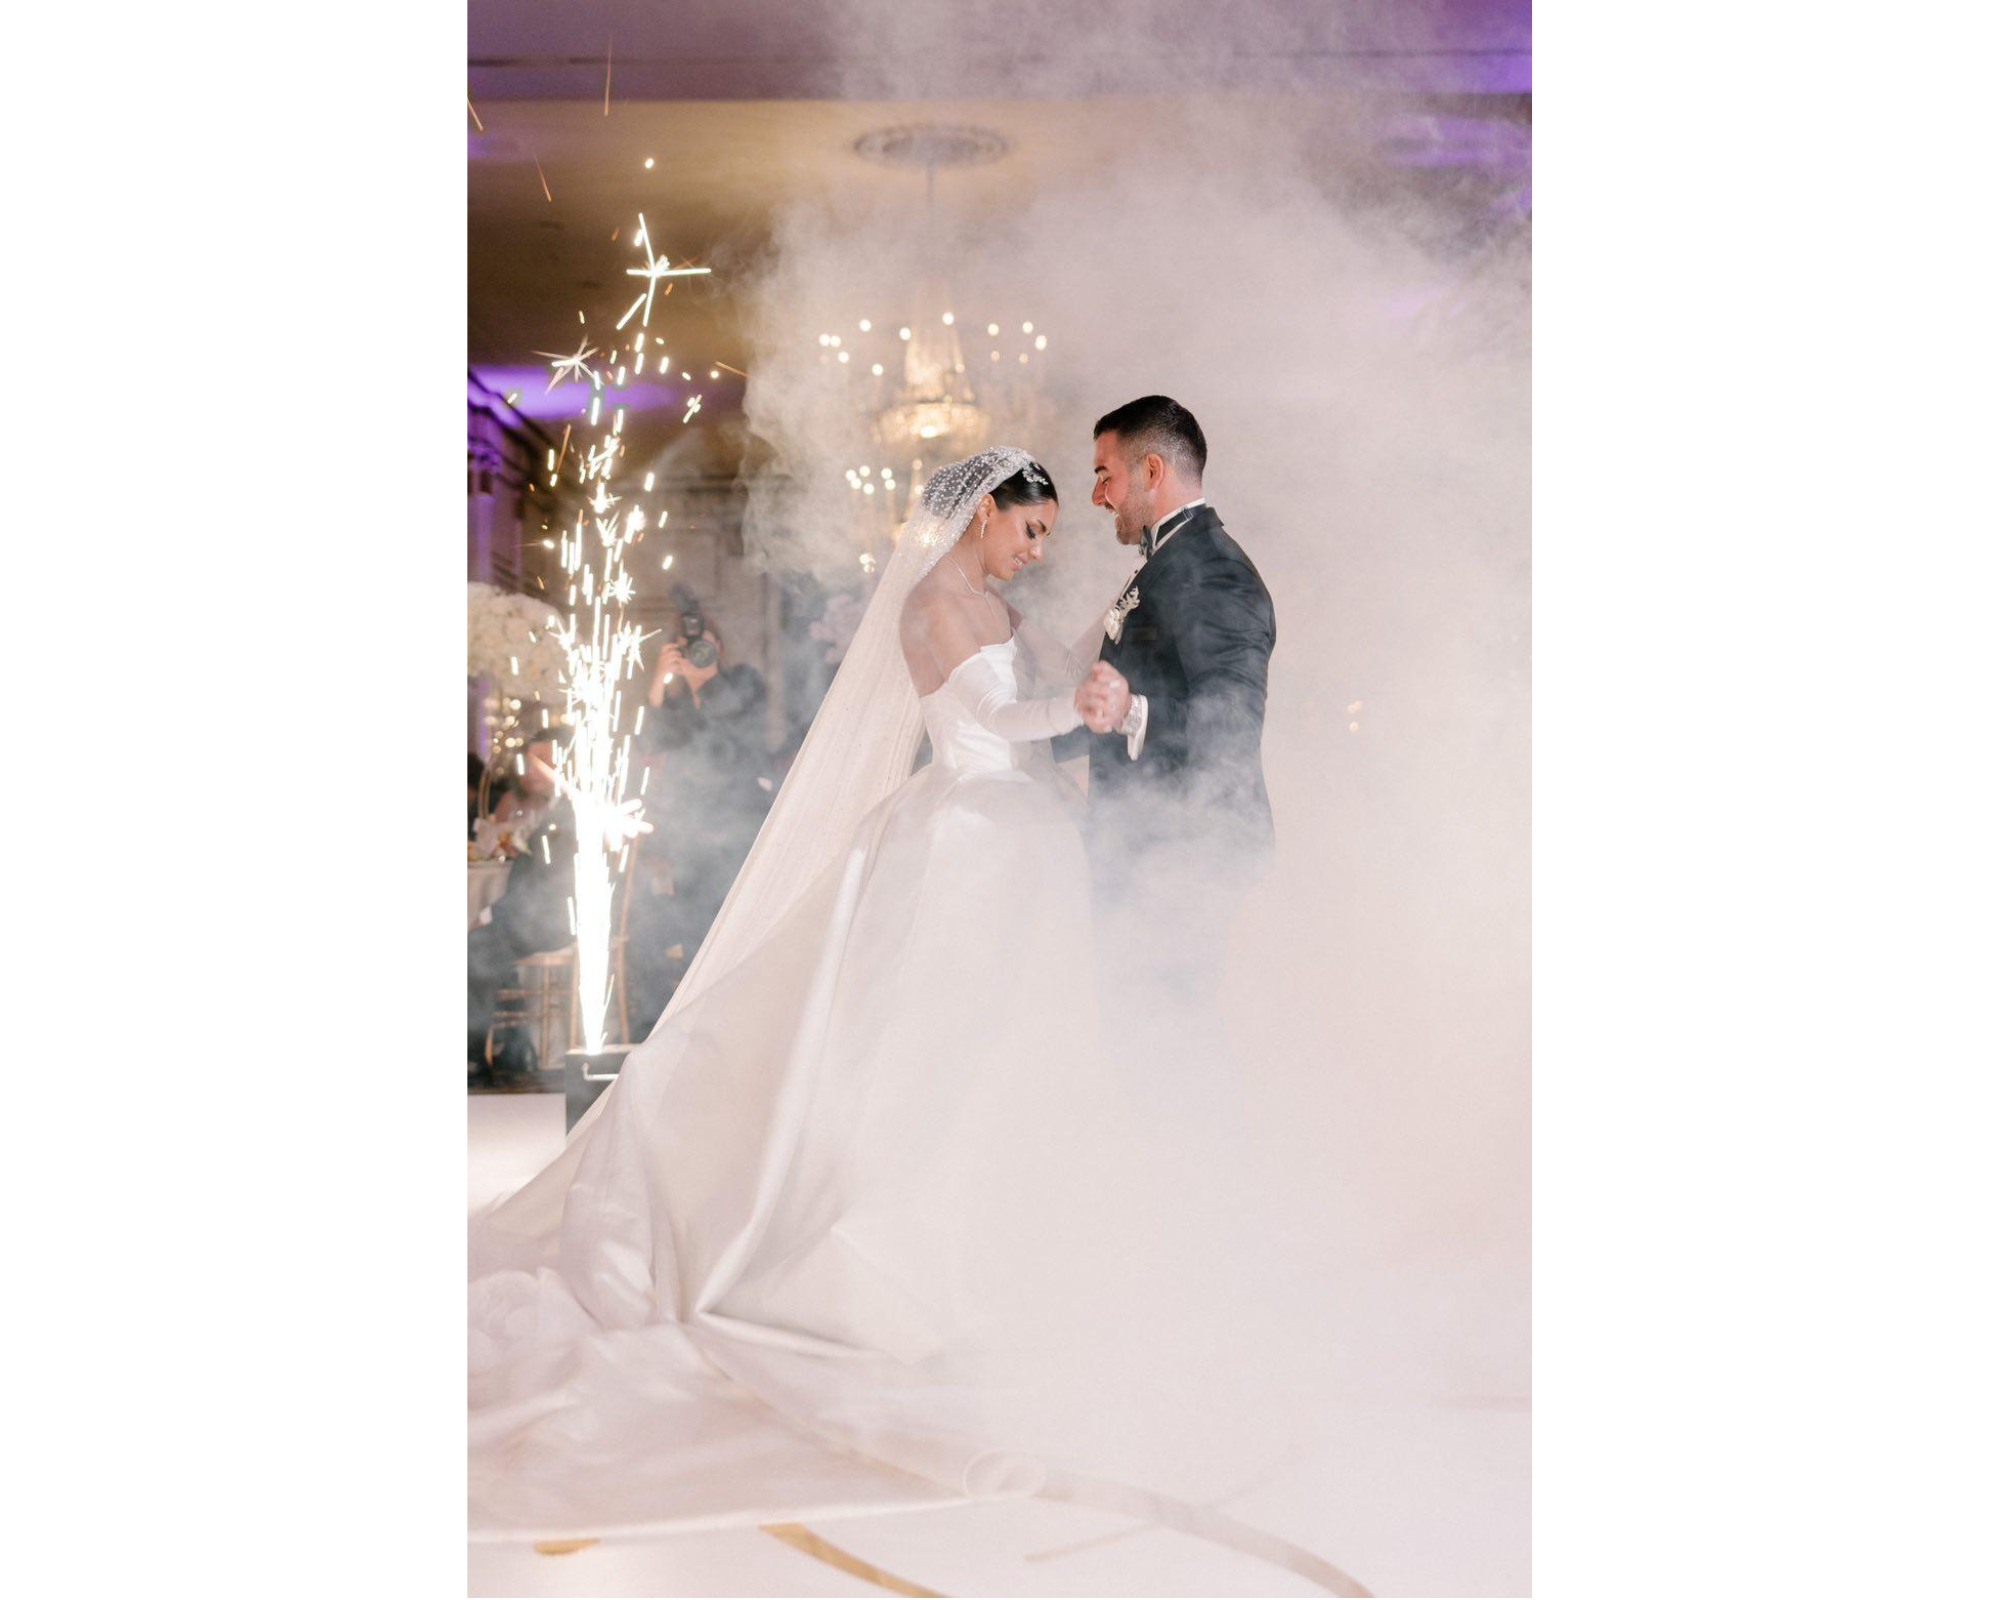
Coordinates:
(688,661)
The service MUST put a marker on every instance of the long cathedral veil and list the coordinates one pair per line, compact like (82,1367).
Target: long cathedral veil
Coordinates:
(862,741)
(859,748)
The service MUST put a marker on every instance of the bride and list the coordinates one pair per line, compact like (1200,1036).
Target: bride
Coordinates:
(844,1232)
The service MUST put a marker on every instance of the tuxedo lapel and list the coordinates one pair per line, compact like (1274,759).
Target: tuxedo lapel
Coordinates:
(1199,521)
(1145,581)
(1169,556)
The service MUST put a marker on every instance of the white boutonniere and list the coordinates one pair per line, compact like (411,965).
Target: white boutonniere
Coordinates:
(1114,619)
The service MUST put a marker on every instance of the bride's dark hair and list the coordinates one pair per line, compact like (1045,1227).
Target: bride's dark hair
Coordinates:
(1031,486)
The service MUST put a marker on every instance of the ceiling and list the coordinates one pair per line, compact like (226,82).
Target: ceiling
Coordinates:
(905,49)
(746,107)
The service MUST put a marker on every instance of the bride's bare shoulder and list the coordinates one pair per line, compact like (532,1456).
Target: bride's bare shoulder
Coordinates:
(923,617)
(920,608)
(938,623)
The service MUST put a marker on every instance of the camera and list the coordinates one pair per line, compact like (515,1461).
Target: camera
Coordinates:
(700,651)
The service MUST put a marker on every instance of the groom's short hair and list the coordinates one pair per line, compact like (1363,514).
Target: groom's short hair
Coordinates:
(1155,425)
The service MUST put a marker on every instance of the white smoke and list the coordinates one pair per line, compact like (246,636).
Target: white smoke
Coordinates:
(1358,358)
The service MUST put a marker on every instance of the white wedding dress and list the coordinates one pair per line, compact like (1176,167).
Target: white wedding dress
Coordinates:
(868,1223)
(813,1210)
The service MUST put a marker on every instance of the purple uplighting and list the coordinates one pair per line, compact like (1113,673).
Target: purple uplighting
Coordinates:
(569,401)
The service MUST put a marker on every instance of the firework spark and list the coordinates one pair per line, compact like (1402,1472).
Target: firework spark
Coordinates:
(564,368)
(656,268)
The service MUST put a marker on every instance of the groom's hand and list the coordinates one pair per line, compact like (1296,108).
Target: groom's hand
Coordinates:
(1091,706)
(1116,693)
(1103,698)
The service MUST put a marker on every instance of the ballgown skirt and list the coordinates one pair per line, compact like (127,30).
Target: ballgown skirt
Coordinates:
(819,1247)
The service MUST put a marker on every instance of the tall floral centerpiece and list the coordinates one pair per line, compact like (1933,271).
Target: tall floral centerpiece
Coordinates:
(514,649)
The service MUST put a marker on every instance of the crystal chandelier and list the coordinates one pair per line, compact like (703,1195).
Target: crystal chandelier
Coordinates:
(926,403)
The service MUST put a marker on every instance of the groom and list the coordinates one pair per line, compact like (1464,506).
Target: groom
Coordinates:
(1178,809)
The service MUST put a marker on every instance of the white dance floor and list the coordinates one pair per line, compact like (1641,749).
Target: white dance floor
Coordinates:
(1414,1498)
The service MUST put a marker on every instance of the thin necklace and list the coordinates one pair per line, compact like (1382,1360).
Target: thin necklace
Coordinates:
(962,578)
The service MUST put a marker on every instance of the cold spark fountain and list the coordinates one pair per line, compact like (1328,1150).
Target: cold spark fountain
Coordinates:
(601,654)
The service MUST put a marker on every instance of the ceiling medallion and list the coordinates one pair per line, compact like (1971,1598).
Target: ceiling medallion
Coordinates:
(929,145)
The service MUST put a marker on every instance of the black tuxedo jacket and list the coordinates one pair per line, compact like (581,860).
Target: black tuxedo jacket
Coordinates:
(1198,647)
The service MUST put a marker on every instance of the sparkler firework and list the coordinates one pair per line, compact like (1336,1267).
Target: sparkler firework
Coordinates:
(601,652)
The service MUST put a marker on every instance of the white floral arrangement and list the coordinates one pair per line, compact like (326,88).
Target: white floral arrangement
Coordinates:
(510,639)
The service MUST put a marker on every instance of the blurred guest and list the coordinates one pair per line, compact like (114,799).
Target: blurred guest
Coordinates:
(524,798)
(475,780)
(531,916)
(529,792)
(714,784)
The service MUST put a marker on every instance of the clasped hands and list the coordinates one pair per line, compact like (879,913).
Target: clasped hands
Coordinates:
(1103,698)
